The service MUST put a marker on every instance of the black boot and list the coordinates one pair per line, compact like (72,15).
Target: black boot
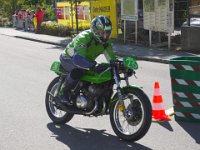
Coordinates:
(66,93)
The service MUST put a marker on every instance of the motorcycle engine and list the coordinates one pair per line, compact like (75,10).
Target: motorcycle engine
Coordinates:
(86,100)
(96,90)
(81,102)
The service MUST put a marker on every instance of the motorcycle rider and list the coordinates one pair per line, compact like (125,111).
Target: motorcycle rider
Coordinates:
(80,54)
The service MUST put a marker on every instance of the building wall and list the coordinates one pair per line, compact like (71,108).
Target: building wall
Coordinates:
(86,12)
(67,14)
(194,2)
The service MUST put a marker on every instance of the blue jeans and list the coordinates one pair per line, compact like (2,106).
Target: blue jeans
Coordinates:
(74,72)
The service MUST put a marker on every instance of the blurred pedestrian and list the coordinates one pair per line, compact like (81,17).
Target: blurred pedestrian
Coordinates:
(45,15)
(31,20)
(20,19)
(19,14)
(39,15)
(25,19)
(14,18)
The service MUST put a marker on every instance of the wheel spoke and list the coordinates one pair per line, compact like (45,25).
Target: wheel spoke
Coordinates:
(51,94)
(59,113)
(52,104)
(124,121)
(129,124)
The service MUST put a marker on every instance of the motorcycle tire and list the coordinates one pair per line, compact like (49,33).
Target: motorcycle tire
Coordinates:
(53,111)
(137,115)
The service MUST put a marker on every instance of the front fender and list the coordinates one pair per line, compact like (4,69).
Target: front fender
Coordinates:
(123,89)
(132,87)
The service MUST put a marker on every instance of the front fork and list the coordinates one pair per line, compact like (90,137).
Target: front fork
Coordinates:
(119,92)
(60,82)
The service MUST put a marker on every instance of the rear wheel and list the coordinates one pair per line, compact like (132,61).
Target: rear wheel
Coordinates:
(54,112)
(132,120)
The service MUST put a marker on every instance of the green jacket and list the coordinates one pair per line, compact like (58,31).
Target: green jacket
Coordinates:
(86,46)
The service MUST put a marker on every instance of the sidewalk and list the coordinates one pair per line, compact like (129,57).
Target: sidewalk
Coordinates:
(140,52)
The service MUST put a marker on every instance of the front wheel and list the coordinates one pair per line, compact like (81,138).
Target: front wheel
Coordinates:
(132,120)
(54,112)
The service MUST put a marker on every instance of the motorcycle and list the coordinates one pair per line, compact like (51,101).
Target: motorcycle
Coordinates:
(100,93)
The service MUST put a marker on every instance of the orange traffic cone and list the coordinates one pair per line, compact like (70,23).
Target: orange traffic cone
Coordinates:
(158,112)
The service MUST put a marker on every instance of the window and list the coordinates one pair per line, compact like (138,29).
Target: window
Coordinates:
(60,12)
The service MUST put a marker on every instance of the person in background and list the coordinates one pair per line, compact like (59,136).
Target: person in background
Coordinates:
(19,14)
(19,19)
(25,19)
(31,20)
(39,15)
(14,18)
(45,15)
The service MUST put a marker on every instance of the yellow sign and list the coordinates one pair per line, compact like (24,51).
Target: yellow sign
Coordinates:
(86,12)
(106,8)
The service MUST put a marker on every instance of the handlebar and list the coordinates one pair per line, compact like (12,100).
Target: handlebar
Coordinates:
(127,63)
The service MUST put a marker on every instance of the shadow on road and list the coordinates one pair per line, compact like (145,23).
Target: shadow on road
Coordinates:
(193,129)
(85,138)
(57,47)
(65,42)
(166,125)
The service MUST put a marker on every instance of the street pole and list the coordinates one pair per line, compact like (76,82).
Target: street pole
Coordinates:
(76,16)
(72,15)
(188,13)
(150,38)
(54,8)
(124,31)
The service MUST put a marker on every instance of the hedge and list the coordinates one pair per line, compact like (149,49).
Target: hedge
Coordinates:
(55,29)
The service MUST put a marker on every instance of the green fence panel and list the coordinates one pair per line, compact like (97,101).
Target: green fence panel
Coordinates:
(185,81)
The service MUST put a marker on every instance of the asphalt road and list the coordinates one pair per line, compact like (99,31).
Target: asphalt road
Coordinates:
(24,124)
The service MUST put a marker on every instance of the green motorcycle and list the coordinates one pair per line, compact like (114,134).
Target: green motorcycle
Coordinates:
(99,93)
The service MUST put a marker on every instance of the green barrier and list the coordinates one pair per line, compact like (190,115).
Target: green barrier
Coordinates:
(185,81)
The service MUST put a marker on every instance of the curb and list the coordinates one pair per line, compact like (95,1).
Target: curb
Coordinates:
(41,41)
(164,61)
(120,53)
